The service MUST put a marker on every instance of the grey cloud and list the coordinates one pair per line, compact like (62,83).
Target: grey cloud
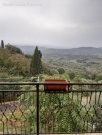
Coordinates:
(54,23)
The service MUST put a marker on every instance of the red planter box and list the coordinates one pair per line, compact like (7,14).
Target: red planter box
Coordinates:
(55,87)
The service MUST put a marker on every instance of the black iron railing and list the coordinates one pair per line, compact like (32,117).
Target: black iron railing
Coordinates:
(25,108)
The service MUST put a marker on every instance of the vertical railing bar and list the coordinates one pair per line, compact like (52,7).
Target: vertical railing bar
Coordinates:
(3,113)
(37,112)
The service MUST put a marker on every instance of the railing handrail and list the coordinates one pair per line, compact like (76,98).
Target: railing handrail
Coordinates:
(44,83)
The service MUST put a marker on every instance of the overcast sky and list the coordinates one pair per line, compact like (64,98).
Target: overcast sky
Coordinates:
(51,23)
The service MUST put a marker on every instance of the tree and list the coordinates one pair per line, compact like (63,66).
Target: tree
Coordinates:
(3,57)
(20,64)
(13,49)
(61,71)
(71,75)
(36,63)
(2,43)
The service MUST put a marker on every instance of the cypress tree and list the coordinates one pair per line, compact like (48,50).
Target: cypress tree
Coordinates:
(36,63)
(2,44)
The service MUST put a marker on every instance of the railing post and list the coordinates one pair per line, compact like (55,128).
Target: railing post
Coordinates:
(37,111)
(3,114)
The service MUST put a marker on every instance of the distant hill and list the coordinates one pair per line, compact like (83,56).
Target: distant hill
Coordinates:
(73,51)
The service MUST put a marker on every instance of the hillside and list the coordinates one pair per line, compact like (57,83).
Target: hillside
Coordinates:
(72,51)
(83,60)
(13,62)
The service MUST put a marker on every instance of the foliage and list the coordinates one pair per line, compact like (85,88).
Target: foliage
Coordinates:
(20,64)
(28,56)
(71,75)
(49,70)
(58,113)
(61,71)
(98,119)
(97,109)
(13,49)
(36,63)
(14,63)
(4,61)
(77,78)
(9,96)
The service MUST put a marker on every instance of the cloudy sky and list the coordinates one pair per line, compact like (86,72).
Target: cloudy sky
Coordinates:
(51,23)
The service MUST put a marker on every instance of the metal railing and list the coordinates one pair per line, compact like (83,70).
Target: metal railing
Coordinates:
(26,108)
